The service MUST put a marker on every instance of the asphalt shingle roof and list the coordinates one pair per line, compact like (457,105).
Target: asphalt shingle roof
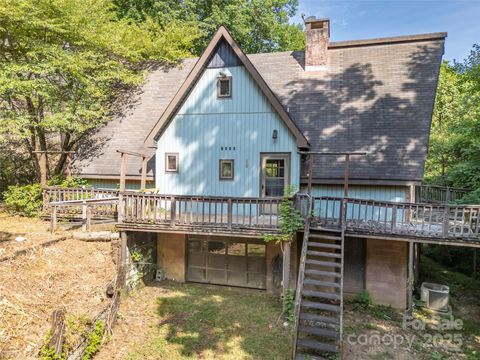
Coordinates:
(375,96)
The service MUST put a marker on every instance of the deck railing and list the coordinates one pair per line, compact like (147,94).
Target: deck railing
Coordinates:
(431,194)
(218,212)
(395,218)
(442,221)
(57,195)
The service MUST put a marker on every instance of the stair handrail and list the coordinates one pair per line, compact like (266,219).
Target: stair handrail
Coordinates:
(342,251)
(301,274)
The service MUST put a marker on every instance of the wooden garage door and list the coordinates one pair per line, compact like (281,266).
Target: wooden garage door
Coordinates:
(226,261)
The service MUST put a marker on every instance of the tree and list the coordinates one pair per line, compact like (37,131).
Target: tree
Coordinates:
(64,62)
(454,153)
(257,25)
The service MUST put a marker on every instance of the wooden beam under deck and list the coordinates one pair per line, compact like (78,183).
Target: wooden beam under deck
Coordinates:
(196,230)
(417,240)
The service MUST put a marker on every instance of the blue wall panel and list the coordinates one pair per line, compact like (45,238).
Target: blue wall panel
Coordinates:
(207,129)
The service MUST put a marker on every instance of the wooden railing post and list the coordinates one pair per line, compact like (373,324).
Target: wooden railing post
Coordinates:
(446,221)
(173,212)
(53,220)
(229,212)
(394,218)
(84,215)
(89,218)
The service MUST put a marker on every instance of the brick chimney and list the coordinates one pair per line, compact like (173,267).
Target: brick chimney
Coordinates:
(318,34)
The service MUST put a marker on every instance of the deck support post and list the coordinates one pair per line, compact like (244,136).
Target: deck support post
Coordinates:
(346,176)
(143,181)
(123,250)
(410,279)
(310,173)
(474,263)
(68,166)
(122,172)
(43,168)
(286,269)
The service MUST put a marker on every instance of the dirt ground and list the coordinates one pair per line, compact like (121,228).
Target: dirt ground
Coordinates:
(70,273)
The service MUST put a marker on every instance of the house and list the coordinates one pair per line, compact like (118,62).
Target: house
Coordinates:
(224,134)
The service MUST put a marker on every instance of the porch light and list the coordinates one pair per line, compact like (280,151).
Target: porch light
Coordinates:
(274,134)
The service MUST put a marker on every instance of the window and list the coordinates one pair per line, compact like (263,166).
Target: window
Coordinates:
(226,169)
(224,87)
(171,162)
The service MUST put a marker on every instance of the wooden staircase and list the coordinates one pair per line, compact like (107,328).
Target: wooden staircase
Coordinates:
(319,298)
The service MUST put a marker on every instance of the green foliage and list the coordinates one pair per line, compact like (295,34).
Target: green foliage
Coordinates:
(257,25)
(459,259)
(64,62)
(94,340)
(47,352)
(363,300)
(71,182)
(289,305)
(290,219)
(23,200)
(454,153)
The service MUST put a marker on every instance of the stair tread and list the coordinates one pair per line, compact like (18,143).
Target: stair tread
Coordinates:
(321,294)
(308,357)
(331,334)
(325,237)
(317,345)
(321,306)
(324,254)
(323,263)
(319,318)
(314,282)
(322,273)
(324,245)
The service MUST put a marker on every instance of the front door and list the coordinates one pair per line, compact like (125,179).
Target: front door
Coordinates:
(275,174)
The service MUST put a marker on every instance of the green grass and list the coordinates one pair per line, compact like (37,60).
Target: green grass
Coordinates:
(198,321)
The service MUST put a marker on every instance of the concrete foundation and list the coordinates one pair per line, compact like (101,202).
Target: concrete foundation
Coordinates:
(386,272)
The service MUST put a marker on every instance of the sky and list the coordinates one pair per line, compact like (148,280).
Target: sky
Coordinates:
(364,19)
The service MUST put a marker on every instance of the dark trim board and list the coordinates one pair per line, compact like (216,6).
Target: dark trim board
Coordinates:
(432,241)
(365,182)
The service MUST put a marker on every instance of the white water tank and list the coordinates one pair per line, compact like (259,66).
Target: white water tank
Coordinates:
(435,296)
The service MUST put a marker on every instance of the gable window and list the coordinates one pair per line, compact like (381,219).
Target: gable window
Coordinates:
(224,86)
(171,162)
(226,169)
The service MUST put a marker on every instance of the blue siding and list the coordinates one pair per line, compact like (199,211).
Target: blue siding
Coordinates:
(363,212)
(242,126)
(381,193)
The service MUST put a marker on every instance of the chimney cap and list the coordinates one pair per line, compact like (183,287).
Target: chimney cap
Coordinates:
(312,19)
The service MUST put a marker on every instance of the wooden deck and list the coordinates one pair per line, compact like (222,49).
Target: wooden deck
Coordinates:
(139,211)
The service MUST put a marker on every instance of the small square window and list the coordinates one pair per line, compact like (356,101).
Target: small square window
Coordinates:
(226,169)
(224,87)
(171,162)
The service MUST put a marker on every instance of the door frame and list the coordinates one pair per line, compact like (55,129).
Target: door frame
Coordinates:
(274,156)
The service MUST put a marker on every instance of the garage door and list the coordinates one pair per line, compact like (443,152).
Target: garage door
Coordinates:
(226,261)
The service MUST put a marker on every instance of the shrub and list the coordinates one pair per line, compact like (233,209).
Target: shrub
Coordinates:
(23,200)
(73,181)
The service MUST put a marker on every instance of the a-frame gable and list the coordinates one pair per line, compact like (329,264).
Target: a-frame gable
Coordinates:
(214,55)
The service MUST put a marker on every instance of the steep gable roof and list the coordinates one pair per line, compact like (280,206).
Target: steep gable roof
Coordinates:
(375,96)
(221,35)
